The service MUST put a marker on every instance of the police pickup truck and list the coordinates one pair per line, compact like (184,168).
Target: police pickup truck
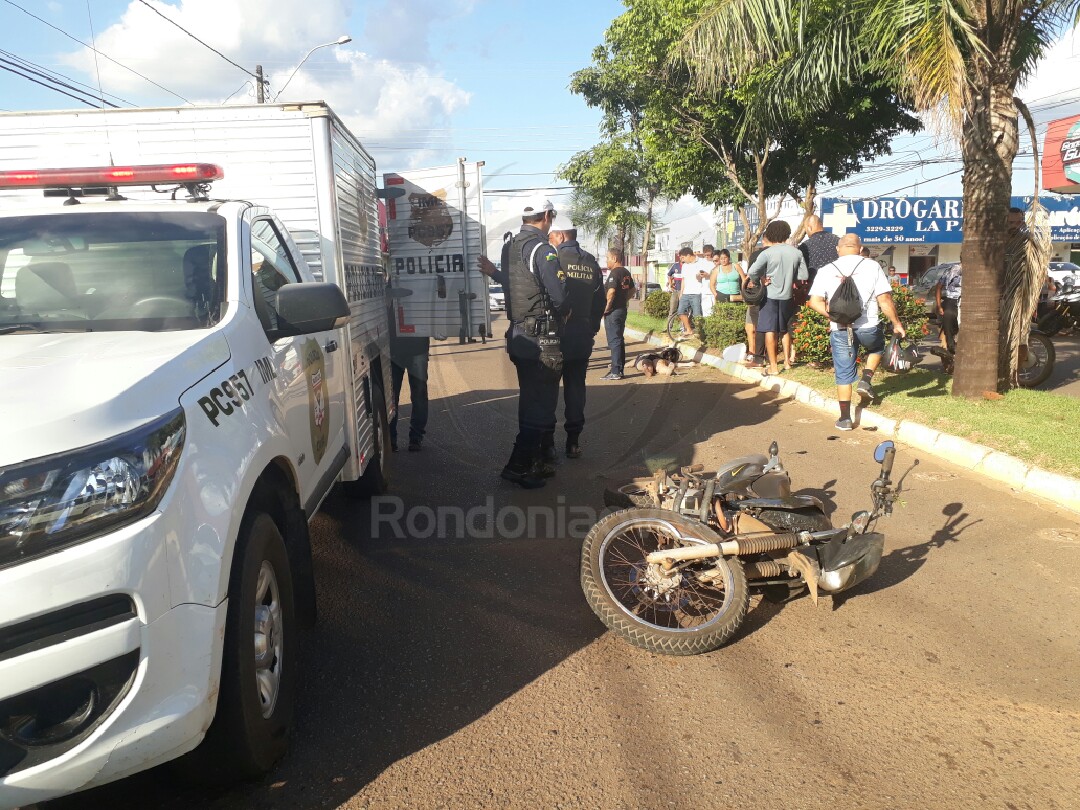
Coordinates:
(179,394)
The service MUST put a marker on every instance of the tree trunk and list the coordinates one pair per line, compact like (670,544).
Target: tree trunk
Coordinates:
(808,210)
(989,144)
(645,241)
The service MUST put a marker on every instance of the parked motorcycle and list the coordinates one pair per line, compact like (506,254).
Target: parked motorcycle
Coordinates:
(1061,312)
(669,583)
(754,486)
(1036,361)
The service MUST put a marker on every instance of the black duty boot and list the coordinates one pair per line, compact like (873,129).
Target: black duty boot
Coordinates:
(573,446)
(522,470)
(547,452)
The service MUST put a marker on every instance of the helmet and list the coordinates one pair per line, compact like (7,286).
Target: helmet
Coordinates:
(901,355)
(754,296)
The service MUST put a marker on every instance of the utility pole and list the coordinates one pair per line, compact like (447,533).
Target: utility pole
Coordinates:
(260,85)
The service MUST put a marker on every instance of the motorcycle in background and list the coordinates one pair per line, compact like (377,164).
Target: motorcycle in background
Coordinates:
(671,584)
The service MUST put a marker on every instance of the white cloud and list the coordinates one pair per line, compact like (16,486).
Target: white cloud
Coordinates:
(386,86)
(1049,90)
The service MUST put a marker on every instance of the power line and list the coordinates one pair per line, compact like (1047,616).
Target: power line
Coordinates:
(52,74)
(211,47)
(52,81)
(95,50)
(51,87)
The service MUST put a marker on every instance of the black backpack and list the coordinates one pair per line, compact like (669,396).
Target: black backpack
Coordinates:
(846,305)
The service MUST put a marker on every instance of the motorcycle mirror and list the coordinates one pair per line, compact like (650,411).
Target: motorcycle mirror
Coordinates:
(774,449)
(882,449)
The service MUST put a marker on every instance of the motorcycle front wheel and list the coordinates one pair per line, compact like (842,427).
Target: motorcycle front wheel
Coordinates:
(676,615)
(1036,367)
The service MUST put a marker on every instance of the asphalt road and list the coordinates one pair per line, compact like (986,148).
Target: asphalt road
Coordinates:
(465,670)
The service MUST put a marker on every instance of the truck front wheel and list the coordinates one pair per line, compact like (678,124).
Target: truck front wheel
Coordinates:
(260,662)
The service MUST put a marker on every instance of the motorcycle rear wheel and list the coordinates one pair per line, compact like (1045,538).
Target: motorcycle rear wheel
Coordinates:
(1040,361)
(687,619)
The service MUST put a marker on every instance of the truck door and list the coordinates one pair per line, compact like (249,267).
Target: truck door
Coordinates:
(310,377)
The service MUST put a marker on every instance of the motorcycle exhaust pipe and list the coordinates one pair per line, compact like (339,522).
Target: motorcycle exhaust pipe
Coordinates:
(729,548)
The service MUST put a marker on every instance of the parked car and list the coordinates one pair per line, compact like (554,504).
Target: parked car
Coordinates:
(496,298)
(651,287)
(924,287)
(1061,271)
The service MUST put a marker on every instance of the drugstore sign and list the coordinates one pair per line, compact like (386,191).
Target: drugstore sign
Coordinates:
(930,220)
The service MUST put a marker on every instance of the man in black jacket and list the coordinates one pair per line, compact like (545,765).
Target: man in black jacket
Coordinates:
(585,294)
(535,302)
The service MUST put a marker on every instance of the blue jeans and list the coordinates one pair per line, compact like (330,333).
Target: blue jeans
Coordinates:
(845,353)
(614,324)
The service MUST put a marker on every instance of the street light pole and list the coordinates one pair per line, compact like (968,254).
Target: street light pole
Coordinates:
(339,41)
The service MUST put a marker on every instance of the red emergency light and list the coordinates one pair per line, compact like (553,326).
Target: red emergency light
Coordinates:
(109,176)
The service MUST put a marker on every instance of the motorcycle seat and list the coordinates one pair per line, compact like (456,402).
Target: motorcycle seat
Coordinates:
(739,472)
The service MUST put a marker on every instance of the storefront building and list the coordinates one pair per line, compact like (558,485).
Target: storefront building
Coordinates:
(915,233)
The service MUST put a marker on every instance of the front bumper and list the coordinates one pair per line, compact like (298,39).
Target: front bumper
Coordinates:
(100,676)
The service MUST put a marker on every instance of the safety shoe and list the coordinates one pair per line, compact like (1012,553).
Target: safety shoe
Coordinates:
(865,392)
(524,477)
(844,424)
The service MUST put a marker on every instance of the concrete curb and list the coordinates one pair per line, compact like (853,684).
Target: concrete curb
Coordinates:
(1060,490)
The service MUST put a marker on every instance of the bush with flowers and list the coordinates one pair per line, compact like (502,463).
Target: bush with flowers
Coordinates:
(811,335)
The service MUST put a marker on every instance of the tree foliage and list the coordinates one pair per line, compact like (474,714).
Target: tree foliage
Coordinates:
(702,142)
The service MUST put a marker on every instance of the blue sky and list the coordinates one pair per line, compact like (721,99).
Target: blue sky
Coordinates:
(458,77)
(422,82)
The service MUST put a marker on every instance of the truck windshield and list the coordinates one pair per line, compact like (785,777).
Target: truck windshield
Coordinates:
(98,271)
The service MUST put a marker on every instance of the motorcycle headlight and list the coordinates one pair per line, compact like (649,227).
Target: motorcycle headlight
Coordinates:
(53,502)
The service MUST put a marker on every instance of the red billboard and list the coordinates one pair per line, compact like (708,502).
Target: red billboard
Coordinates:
(1061,156)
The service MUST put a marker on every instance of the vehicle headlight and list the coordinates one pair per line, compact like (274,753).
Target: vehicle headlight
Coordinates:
(50,503)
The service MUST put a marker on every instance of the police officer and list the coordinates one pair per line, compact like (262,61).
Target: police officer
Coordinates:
(585,293)
(535,304)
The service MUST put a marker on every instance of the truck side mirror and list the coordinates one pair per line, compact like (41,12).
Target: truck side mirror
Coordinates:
(309,307)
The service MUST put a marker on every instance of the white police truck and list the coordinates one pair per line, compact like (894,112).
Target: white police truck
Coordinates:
(193,352)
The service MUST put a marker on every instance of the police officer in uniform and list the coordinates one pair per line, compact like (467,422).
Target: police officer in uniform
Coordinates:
(585,293)
(535,305)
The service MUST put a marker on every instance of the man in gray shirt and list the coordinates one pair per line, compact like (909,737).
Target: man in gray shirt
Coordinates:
(781,264)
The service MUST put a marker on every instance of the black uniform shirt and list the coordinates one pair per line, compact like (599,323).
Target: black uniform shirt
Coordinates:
(585,293)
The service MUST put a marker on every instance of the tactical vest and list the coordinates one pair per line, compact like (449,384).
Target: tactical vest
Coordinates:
(523,299)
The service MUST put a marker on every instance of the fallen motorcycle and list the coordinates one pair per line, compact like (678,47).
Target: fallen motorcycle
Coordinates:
(670,584)
(752,486)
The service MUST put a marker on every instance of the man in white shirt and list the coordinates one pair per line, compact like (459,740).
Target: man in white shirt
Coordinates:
(874,291)
(695,274)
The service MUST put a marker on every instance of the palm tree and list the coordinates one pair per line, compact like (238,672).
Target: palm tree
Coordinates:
(956,60)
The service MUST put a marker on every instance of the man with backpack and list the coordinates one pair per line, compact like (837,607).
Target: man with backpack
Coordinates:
(849,292)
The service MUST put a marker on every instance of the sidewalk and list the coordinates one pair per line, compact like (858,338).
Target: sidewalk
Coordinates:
(1060,490)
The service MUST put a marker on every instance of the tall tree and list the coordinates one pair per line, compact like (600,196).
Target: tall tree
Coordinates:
(703,142)
(959,60)
(614,190)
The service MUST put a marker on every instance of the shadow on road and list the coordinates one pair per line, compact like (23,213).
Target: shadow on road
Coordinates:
(425,627)
(902,563)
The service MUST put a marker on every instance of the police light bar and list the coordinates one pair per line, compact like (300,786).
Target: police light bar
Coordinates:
(109,176)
